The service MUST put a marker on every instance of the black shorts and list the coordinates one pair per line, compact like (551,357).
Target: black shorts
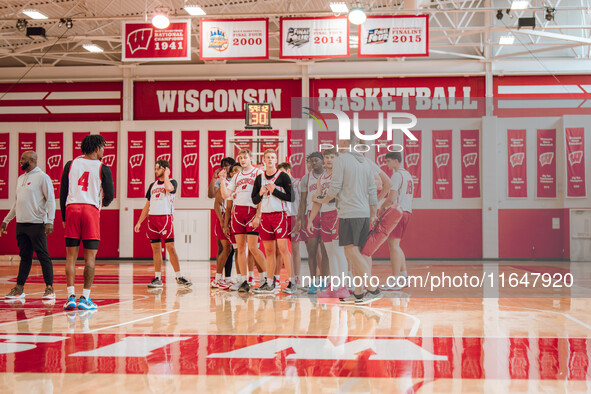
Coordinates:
(353,231)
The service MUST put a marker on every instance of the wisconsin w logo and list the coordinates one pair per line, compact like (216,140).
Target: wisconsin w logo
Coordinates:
(442,159)
(216,160)
(381,160)
(139,39)
(296,159)
(3,160)
(470,159)
(109,160)
(575,157)
(412,159)
(54,161)
(164,156)
(190,159)
(546,158)
(136,160)
(516,159)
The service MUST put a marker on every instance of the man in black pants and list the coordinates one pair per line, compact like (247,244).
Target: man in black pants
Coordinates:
(34,208)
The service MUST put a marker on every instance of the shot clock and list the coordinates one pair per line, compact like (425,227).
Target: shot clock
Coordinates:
(258,116)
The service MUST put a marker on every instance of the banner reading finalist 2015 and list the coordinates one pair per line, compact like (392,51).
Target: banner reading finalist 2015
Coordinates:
(228,39)
(403,35)
(142,41)
(326,37)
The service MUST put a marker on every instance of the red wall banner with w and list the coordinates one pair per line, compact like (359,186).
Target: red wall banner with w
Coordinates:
(216,149)
(442,165)
(470,150)
(296,152)
(546,174)
(77,138)
(517,164)
(328,138)
(54,159)
(163,147)
(242,143)
(190,163)
(272,143)
(4,164)
(110,155)
(136,164)
(575,162)
(26,142)
(412,160)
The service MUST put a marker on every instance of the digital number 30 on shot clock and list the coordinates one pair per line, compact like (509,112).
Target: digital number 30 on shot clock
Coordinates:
(258,116)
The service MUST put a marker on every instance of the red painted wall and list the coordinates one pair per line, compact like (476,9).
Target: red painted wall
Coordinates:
(442,233)
(109,246)
(520,230)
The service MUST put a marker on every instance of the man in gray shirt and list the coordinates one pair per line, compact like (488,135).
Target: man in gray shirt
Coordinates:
(34,208)
(354,187)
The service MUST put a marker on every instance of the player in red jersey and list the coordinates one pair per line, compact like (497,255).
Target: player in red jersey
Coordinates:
(243,213)
(86,186)
(272,191)
(158,209)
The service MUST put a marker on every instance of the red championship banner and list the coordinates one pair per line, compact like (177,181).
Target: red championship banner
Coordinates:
(326,140)
(296,152)
(546,168)
(216,149)
(233,39)
(110,155)
(4,164)
(190,163)
(271,143)
(77,138)
(390,36)
(54,156)
(470,150)
(26,142)
(136,164)
(517,163)
(575,162)
(412,160)
(442,165)
(380,156)
(163,147)
(143,42)
(242,143)
(324,37)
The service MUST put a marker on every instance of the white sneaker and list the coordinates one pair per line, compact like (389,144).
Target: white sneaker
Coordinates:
(235,286)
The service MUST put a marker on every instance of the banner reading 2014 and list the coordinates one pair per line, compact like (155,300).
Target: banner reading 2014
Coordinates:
(228,39)
(326,37)
(403,35)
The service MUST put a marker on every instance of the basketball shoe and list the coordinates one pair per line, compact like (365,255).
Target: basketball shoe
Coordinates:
(155,283)
(86,303)
(71,304)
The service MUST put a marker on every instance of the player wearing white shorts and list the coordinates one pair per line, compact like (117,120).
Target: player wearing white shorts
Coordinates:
(243,213)
(272,192)
(159,209)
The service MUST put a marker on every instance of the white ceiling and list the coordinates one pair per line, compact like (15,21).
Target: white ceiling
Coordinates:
(462,29)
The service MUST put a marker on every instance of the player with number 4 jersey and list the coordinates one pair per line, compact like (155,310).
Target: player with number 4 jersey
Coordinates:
(86,186)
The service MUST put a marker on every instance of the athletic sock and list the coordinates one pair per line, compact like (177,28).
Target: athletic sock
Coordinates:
(71,290)
(157,275)
(276,278)
(218,276)
(178,274)
(239,277)
(86,293)
(251,274)
(262,277)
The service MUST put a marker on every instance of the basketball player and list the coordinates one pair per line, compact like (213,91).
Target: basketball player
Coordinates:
(329,224)
(401,193)
(296,259)
(308,187)
(84,181)
(272,190)
(243,213)
(222,238)
(159,209)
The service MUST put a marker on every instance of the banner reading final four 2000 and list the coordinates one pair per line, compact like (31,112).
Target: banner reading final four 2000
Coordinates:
(403,35)
(228,39)
(326,37)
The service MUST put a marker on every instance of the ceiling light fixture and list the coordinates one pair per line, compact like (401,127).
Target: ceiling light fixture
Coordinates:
(66,21)
(508,39)
(519,5)
(21,24)
(34,14)
(499,14)
(160,20)
(194,10)
(339,8)
(92,48)
(550,14)
(357,16)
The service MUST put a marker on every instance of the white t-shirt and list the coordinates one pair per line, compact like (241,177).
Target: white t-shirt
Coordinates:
(402,183)
(161,201)
(241,185)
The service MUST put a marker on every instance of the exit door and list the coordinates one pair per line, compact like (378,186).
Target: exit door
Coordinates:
(191,233)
